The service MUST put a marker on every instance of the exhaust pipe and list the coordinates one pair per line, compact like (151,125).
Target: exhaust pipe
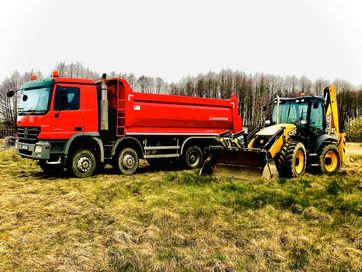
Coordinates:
(104,104)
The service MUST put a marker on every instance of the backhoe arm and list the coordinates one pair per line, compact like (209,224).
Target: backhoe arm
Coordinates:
(330,97)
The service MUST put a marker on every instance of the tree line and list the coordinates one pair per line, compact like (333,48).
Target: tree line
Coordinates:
(253,90)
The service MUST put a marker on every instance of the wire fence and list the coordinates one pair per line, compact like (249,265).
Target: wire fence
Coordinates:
(9,131)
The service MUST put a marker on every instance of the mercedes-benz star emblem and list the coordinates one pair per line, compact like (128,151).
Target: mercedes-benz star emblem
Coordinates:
(26,132)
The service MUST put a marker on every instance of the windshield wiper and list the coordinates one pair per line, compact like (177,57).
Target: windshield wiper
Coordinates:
(31,111)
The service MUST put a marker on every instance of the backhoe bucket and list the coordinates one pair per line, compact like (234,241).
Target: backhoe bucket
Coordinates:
(236,163)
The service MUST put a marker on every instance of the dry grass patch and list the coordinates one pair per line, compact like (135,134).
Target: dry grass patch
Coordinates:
(177,221)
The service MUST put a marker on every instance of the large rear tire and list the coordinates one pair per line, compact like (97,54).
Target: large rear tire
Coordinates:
(194,157)
(292,160)
(82,163)
(329,159)
(127,161)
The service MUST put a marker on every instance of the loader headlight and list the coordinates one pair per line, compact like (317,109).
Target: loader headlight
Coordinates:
(38,149)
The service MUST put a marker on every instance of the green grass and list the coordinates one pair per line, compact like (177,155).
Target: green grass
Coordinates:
(178,221)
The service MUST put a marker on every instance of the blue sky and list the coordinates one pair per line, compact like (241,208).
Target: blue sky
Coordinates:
(173,39)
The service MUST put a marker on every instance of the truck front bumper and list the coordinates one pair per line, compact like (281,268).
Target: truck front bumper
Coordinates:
(40,150)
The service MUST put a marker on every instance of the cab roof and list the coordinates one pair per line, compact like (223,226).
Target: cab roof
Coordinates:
(48,82)
(306,98)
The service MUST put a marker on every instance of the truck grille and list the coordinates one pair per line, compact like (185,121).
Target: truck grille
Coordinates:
(28,134)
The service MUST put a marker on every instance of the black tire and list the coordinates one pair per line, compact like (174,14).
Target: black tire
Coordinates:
(194,157)
(51,169)
(127,161)
(292,160)
(82,163)
(329,159)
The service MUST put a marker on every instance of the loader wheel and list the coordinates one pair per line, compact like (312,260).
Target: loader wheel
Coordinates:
(51,169)
(127,161)
(292,160)
(329,159)
(82,163)
(194,157)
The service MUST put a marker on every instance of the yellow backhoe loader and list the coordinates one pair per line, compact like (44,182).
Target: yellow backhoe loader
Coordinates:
(303,133)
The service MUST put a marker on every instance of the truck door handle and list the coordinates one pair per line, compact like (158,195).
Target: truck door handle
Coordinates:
(77,129)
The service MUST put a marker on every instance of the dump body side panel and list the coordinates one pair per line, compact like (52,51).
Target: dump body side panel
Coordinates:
(158,114)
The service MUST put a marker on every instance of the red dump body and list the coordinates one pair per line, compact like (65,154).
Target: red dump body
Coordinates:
(157,114)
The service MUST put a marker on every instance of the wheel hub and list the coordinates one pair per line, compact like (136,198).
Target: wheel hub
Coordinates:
(84,164)
(193,158)
(331,161)
(128,161)
(299,162)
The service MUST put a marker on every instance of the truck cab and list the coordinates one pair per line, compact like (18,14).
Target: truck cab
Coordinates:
(52,111)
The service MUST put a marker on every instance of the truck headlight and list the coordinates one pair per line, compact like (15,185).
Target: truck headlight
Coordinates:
(38,149)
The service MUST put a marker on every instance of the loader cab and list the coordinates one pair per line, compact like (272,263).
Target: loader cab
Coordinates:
(307,113)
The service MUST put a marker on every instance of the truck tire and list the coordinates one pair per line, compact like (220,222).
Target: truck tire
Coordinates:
(194,157)
(127,161)
(329,159)
(51,169)
(292,160)
(82,163)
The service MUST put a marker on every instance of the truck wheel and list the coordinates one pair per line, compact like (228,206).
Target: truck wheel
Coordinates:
(127,161)
(329,159)
(292,160)
(194,157)
(82,163)
(54,169)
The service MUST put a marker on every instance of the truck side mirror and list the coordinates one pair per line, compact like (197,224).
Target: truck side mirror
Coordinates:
(264,108)
(10,94)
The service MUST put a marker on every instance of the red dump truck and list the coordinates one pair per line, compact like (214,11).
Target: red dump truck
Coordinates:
(80,125)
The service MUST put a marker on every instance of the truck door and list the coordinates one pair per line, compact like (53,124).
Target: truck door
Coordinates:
(67,114)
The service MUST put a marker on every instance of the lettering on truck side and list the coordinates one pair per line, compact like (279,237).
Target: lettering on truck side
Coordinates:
(214,118)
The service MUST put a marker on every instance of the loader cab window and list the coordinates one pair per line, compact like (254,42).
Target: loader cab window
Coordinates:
(290,112)
(67,98)
(317,118)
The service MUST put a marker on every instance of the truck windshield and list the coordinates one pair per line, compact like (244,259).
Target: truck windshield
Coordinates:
(34,101)
(290,112)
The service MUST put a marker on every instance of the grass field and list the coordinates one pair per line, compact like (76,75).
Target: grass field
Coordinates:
(177,221)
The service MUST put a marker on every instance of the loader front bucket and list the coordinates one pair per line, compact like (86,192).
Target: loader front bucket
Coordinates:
(236,163)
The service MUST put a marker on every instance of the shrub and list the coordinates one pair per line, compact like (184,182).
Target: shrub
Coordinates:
(354,130)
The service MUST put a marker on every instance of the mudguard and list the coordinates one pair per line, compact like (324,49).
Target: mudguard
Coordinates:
(322,139)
